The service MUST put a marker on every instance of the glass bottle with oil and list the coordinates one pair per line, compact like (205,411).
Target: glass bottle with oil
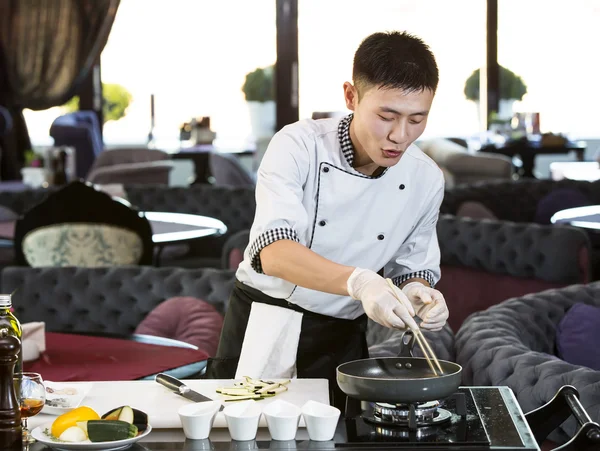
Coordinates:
(9,321)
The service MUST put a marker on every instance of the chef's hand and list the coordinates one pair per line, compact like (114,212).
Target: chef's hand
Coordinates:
(379,301)
(429,304)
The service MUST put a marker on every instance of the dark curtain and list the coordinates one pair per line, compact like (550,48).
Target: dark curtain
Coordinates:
(47,48)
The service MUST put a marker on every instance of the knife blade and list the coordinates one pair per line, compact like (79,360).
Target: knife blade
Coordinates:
(174,384)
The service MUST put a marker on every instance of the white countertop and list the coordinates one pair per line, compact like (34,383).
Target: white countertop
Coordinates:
(161,404)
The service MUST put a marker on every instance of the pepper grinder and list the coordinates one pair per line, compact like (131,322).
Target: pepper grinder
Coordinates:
(10,414)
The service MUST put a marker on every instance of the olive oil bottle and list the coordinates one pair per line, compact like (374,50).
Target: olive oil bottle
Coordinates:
(9,321)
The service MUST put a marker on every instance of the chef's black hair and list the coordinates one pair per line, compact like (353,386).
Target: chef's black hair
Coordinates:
(395,60)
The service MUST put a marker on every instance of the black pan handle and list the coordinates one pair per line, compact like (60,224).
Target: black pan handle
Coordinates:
(407,342)
(548,417)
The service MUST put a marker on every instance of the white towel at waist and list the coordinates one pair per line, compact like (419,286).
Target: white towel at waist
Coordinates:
(270,343)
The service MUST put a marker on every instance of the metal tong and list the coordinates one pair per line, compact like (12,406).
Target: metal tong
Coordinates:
(423,344)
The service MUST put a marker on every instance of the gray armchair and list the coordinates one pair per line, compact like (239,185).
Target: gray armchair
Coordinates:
(513,344)
(461,166)
(228,171)
(131,165)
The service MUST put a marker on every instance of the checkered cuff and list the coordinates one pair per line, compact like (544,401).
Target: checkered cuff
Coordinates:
(425,274)
(266,238)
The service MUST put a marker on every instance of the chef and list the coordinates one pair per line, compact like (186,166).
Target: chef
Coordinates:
(341,206)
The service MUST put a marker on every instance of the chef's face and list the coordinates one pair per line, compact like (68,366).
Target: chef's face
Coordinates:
(386,121)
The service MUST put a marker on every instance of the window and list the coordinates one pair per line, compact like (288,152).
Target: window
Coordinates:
(330,31)
(193,55)
(552,45)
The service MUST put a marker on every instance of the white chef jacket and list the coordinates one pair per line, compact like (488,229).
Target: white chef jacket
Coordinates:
(307,191)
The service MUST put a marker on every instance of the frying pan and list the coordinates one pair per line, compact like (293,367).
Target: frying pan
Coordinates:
(398,380)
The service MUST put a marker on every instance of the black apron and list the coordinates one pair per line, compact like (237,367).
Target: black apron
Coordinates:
(324,344)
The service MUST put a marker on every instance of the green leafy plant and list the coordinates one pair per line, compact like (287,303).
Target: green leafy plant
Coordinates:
(116,100)
(259,85)
(511,85)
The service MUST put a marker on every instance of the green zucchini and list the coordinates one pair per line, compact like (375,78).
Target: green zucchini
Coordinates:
(110,430)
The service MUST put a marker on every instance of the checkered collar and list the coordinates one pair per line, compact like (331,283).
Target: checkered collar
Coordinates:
(346,142)
(344,137)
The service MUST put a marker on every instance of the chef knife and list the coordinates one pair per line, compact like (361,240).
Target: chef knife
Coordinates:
(172,383)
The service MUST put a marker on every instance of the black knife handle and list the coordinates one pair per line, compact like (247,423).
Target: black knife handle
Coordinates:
(170,382)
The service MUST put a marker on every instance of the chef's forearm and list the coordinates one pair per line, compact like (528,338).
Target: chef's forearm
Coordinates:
(299,265)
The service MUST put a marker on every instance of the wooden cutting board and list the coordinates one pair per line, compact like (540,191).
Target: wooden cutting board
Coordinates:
(161,404)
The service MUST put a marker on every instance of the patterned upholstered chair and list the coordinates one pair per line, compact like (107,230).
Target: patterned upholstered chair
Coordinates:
(514,343)
(83,244)
(80,226)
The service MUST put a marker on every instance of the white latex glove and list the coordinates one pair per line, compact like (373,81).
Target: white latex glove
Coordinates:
(379,301)
(429,304)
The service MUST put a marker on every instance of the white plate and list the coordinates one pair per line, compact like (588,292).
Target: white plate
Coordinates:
(45,438)
(62,397)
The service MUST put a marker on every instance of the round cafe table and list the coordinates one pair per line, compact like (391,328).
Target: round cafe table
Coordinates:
(172,228)
(585,217)
(588,219)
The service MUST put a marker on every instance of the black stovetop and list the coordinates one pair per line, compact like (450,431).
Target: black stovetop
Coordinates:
(464,428)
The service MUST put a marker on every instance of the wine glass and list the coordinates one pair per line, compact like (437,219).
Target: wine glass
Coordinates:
(31,396)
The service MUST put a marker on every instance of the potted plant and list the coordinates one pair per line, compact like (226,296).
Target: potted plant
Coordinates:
(259,90)
(116,100)
(512,88)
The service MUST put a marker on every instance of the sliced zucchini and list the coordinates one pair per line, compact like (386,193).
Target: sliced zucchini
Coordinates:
(250,388)
(241,398)
(233,391)
(268,388)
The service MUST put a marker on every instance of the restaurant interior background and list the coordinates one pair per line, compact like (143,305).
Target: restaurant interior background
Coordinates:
(139,261)
(193,55)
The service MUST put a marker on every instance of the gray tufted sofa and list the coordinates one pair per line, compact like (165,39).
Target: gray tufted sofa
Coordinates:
(485,262)
(115,300)
(513,344)
(107,300)
(234,206)
(20,201)
(513,200)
